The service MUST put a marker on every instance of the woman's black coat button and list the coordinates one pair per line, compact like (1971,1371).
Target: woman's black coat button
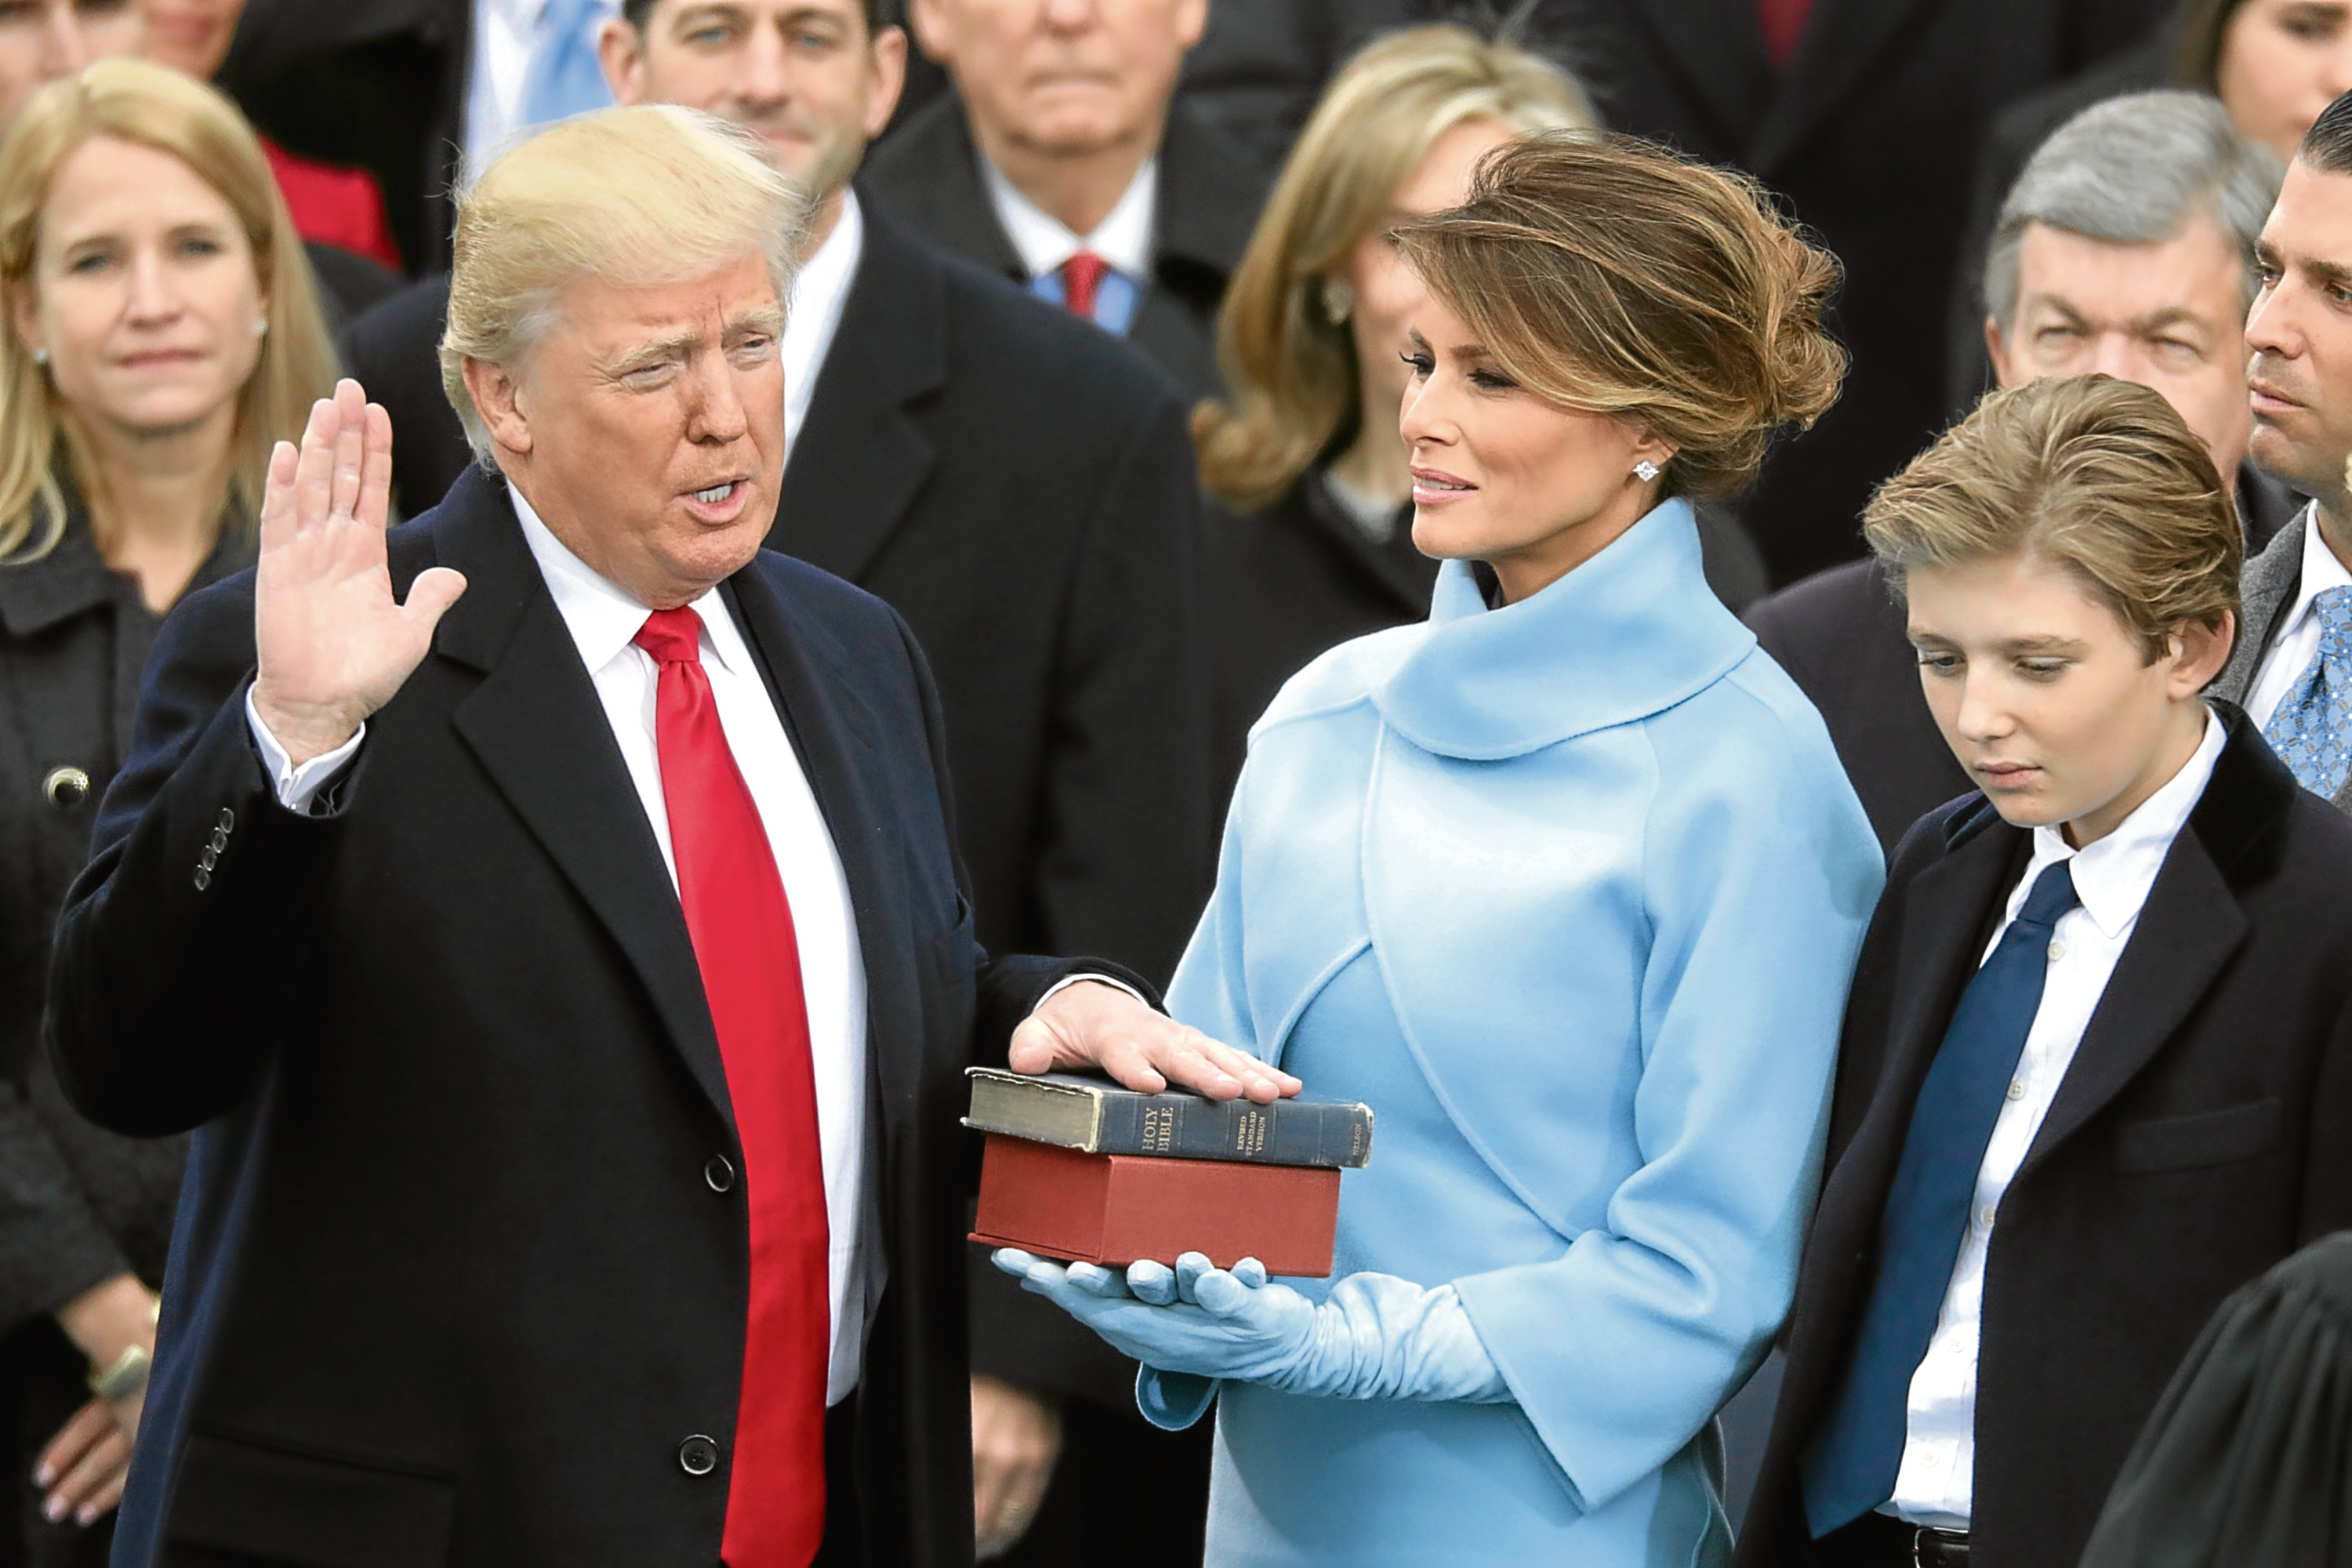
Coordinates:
(697,1456)
(719,1173)
(66,788)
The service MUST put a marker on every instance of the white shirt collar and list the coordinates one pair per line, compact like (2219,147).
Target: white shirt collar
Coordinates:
(1123,239)
(2112,875)
(820,293)
(604,620)
(2321,572)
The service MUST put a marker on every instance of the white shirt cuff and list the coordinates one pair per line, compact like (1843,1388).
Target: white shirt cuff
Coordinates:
(298,786)
(1060,986)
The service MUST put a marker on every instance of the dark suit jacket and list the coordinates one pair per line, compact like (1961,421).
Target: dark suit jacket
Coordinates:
(927,176)
(449,1286)
(2267,590)
(2203,1132)
(1871,136)
(1840,636)
(376,84)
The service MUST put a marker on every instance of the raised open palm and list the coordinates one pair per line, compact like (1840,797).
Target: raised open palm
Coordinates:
(332,643)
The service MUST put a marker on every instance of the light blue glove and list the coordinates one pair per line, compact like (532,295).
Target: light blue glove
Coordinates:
(1374,1337)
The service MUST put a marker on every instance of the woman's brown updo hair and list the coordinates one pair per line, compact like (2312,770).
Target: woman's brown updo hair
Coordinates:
(1614,278)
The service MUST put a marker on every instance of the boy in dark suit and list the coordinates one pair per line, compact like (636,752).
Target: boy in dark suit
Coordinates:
(2097,1065)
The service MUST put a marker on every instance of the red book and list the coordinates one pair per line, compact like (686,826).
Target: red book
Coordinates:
(1117,1208)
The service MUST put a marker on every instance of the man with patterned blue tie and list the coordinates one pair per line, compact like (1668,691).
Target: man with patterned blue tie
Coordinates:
(2096,1070)
(2293,669)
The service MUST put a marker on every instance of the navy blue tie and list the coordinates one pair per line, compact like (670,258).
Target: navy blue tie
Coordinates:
(1852,1466)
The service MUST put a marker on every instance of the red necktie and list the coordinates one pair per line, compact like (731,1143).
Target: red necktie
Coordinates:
(1784,22)
(742,927)
(1081,275)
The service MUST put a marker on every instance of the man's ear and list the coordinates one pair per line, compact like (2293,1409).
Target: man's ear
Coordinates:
(621,51)
(1996,351)
(889,68)
(1191,21)
(498,399)
(934,34)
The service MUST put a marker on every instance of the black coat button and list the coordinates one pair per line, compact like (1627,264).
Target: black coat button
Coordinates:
(228,820)
(203,879)
(697,1456)
(66,788)
(719,1173)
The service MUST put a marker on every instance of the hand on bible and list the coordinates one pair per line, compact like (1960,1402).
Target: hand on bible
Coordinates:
(1093,1026)
(331,643)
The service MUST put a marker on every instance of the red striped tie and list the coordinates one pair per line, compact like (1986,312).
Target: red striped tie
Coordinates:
(741,926)
(1082,274)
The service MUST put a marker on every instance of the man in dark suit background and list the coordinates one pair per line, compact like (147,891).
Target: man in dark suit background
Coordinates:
(2293,661)
(1865,116)
(569,968)
(2127,246)
(1058,162)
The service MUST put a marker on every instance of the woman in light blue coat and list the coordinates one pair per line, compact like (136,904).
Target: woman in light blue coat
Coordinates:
(1568,885)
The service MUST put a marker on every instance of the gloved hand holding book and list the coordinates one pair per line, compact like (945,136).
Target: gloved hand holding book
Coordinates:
(1373,1337)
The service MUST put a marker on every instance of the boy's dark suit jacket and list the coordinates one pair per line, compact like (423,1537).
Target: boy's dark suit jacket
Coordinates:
(449,1284)
(2202,1134)
(927,176)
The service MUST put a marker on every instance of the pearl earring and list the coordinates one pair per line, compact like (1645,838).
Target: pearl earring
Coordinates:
(1339,301)
(260,326)
(40,356)
(1645,470)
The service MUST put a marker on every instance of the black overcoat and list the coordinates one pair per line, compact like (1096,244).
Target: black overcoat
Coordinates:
(449,1286)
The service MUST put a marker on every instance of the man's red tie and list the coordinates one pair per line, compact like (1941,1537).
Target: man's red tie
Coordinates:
(1082,274)
(741,926)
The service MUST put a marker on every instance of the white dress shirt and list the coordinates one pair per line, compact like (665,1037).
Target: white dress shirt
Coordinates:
(508,36)
(602,620)
(1123,239)
(812,314)
(2296,643)
(2112,878)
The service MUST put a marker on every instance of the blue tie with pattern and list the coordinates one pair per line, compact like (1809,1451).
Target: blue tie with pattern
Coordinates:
(2311,730)
(1852,1466)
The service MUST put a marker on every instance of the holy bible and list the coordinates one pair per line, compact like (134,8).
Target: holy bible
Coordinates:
(1116,1209)
(1092,1114)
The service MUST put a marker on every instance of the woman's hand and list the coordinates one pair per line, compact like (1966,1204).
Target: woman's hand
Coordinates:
(1374,1337)
(334,646)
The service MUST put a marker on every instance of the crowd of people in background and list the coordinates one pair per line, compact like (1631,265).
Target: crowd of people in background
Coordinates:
(1995,533)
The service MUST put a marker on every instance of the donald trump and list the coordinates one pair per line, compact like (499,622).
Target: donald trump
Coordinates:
(547,917)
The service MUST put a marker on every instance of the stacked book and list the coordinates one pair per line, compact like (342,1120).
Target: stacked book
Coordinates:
(1080,1169)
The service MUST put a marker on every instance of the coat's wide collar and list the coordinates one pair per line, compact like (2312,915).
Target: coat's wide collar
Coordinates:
(1485,684)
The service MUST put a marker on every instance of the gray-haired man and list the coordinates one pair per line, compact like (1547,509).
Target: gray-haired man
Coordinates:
(2126,246)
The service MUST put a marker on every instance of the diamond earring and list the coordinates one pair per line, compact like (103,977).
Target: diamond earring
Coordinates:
(1339,301)
(1645,470)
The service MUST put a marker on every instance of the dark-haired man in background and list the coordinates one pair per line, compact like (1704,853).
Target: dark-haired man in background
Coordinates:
(2126,246)
(2292,666)
(1059,161)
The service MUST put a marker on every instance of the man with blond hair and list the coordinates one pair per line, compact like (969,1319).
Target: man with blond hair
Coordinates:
(547,918)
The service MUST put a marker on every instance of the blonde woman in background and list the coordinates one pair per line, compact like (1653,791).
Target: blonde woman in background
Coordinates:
(1309,525)
(161,333)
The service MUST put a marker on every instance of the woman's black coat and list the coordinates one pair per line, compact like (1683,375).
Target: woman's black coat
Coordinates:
(78,1205)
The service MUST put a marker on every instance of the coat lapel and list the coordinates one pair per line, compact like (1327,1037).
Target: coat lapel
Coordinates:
(539,730)
(835,734)
(2271,581)
(863,456)
(1842,41)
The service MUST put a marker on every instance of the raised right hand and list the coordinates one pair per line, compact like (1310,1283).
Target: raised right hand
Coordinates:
(332,644)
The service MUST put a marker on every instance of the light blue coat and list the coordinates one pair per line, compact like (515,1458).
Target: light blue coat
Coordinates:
(1570,891)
